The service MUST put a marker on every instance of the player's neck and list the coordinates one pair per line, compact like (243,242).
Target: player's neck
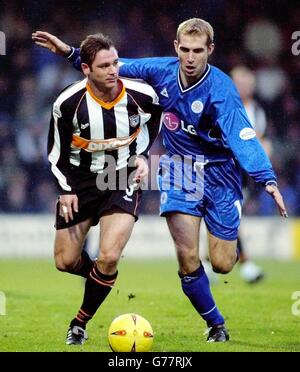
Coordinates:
(106,95)
(188,81)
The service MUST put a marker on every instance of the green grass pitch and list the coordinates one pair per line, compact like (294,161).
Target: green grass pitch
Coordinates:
(41,301)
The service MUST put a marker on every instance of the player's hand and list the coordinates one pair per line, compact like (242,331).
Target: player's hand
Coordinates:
(275,193)
(51,42)
(142,169)
(68,204)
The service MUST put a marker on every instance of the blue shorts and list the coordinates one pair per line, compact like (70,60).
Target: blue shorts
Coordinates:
(212,191)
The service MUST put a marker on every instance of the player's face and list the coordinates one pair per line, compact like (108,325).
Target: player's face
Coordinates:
(193,54)
(104,71)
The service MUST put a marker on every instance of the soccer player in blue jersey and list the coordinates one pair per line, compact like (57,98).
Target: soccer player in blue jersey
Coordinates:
(206,123)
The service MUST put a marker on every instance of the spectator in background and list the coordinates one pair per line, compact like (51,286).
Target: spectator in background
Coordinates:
(244,80)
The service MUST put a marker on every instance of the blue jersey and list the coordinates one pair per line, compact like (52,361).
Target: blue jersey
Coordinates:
(207,118)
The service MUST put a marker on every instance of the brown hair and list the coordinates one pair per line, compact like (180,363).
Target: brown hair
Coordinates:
(91,45)
(196,26)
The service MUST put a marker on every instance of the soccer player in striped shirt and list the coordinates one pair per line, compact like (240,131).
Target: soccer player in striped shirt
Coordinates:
(100,132)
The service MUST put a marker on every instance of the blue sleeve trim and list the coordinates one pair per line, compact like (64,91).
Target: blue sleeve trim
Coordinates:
(71,53)
(271,183)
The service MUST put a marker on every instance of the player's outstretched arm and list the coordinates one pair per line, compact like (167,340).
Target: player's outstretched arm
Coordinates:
(276,195)
(51,42)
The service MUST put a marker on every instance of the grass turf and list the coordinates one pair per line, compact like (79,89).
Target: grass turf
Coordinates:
(41,301)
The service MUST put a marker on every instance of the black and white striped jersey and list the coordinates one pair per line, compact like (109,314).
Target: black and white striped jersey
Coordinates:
(85,131)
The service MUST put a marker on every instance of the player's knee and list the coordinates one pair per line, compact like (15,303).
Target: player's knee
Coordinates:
(109,260)
(222,266)
(186,254)
(65,264)
(221,269)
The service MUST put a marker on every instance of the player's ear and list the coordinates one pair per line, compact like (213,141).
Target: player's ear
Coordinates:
(176,45)
(85,69)
(211,48)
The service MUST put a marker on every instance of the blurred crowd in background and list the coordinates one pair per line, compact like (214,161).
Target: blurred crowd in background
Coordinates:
(252,33)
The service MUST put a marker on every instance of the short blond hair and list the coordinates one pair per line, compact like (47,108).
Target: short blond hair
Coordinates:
(196,26)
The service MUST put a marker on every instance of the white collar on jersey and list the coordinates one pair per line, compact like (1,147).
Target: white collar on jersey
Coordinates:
(192,86)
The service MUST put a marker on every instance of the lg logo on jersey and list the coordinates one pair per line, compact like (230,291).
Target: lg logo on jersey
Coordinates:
(296,44)
(173,123)
(188,128)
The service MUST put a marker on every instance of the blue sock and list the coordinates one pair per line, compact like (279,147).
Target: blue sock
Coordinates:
(196,288)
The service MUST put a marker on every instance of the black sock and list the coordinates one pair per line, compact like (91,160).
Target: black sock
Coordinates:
(97,287)
(84,265)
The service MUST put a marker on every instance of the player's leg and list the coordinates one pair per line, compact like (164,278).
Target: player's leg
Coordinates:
(195,284)
(183,204)
(222,235)
(68,252)
(70,237)
(115,230)
(222,253)
(204,256)
(70,257)
(69,240)
(116,227)
(240,250)
(118,210)
(223,214)
(184,230)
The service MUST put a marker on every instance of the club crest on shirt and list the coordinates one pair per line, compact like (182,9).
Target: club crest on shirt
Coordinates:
(134,120)
(197,107)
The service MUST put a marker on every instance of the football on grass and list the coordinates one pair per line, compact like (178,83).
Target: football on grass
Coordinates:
(130,332)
